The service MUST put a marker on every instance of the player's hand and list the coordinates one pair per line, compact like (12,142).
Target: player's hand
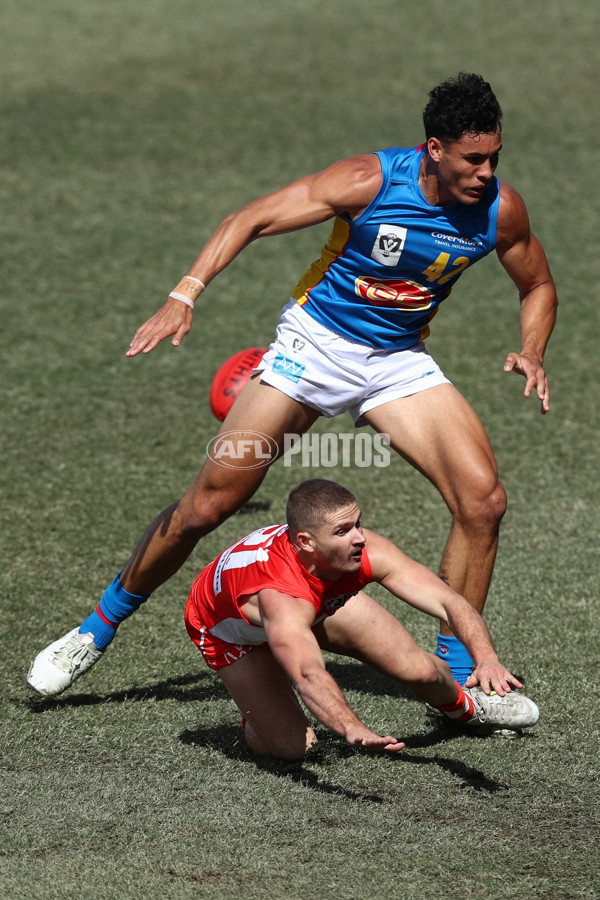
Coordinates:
(535,377)
(368,740)
(493,676)
(173,319)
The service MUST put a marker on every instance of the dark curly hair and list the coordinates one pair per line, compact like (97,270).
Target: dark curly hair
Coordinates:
(462,105)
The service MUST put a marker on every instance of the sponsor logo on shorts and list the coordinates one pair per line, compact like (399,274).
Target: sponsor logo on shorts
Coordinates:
(242,449)
(389,244)
(298,344)
(407,295)
(289,368)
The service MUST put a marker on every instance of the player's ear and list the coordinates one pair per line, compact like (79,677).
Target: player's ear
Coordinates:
(434,148)
(305,541)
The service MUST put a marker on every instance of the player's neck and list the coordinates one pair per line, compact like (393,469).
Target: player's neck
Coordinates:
(431,186)
(323,573)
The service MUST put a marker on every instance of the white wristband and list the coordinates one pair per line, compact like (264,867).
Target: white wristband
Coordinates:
(177,296)
(197,280)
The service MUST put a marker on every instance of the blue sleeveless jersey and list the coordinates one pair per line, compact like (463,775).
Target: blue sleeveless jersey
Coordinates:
(382,276)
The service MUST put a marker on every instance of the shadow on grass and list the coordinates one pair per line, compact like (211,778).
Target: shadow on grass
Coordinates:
(183,689)
(204,686)
(469,777)
(228,740)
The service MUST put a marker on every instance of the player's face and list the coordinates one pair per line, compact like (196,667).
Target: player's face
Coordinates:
(465,167)
(338,543)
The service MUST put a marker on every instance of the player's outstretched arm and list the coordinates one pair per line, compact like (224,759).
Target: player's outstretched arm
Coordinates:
(288,622)
(347,186)
(418,586)
(522,256)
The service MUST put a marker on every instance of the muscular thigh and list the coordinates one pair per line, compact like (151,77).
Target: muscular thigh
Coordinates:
(440,434)
(249,440)
(263,694)
(365,630)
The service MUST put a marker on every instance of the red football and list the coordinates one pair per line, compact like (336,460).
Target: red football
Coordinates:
(231,378)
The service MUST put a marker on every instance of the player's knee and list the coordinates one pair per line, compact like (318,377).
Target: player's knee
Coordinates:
(483,502)
(200,512)
(209,510)
(426,671)
(494,505)
(289,746)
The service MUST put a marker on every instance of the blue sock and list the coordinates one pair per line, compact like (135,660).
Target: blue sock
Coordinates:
(116,605)
(457,656)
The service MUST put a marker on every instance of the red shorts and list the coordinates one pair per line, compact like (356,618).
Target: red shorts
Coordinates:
(217,653)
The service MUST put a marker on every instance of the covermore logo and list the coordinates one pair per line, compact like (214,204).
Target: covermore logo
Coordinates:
(254,450)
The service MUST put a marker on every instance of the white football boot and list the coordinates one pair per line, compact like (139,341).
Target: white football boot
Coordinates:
(511,712)
(61,663)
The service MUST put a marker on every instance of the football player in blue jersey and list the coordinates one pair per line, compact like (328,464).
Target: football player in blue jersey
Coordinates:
(406,223)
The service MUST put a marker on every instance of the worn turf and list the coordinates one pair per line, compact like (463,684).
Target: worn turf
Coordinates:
(129,129)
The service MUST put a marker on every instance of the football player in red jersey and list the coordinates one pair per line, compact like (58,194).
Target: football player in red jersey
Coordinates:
(264,610)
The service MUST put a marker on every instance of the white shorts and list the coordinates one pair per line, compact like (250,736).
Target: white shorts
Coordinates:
(332,374)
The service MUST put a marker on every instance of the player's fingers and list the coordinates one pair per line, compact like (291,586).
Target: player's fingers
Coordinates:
(385,743)
(137,344)
(544,394)
(530,384)
(375,743)
(394,747)
(154,342)
(142,337)
(500,687)
(179,335)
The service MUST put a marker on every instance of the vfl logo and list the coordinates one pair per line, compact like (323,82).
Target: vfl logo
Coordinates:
(389,244)
(242,449)
(288,368)
(407,295)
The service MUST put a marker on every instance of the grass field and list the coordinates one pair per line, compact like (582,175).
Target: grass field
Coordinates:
(129,129)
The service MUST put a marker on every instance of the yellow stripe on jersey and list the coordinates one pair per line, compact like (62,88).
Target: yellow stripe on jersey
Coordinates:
(334,247)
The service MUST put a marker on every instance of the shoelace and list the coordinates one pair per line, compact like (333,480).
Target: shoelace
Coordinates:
(478,708)
(502,708)
(71,655)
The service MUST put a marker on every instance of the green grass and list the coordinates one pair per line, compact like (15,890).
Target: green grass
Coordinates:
(129,129)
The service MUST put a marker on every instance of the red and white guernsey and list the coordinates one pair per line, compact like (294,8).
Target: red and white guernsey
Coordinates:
(214,614)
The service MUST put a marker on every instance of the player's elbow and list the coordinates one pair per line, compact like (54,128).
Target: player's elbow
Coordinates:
(303,680)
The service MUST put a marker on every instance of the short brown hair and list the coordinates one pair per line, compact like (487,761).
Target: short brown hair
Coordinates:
(309,503)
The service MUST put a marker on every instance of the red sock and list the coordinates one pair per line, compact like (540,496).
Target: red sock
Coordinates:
(462,710)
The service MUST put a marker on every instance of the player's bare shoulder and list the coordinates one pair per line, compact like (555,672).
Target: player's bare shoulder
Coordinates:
(353,182)
(384,556)
(513,219)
